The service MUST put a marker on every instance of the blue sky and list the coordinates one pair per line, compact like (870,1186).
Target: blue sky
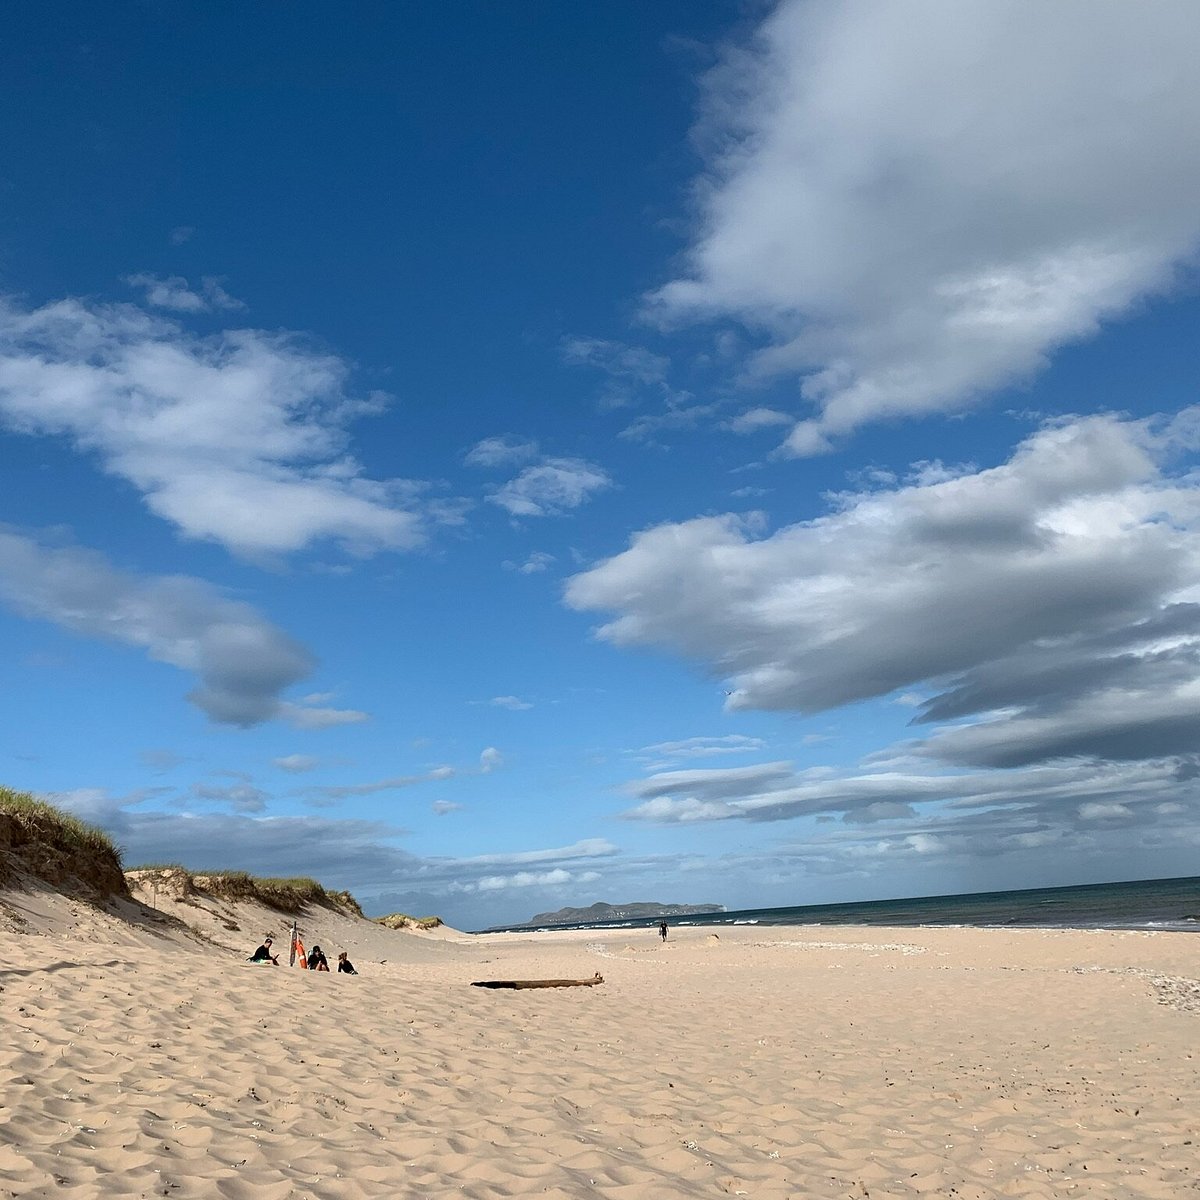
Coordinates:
(500,457)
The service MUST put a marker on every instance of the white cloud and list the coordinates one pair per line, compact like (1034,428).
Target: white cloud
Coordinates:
(674,418)
(1047,598)
(242,662)
(717,784)
(1057,795)
(581,851)
(175,293)
(512,703)
(535,564)
(237,438)
(664,811)
(442,807)
(489,760)
(300,716)
(615,358)
(755,419)
(1105,812)
(297,764)
(703,747)
(500,452)
(629,369)
(523,879)
(391,784)
(551,488)
(915,204)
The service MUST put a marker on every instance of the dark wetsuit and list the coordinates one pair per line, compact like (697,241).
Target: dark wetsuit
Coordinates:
(347,966)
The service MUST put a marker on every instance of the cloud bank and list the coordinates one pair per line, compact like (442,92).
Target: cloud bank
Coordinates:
(912,205)
(1052,604)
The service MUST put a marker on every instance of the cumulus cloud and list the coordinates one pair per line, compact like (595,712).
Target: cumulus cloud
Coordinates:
(512,703)
(241,661)
(1050,606)
(911,205)
(238,438)
(489,759)
(551,488)
(174,292)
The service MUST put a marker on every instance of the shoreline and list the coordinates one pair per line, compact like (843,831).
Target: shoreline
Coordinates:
(1171,902)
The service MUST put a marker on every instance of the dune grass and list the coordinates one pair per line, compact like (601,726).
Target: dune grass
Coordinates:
(37,821)
(404,921)
(40,841)
(288,894)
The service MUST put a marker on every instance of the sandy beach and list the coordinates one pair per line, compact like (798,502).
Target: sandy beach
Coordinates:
(775,1062)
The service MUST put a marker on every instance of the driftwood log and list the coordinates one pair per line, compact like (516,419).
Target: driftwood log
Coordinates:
(539,983)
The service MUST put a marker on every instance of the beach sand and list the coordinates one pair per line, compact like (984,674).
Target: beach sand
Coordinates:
(764,1062)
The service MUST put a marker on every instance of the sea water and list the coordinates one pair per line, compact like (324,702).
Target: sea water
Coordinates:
(1169,904)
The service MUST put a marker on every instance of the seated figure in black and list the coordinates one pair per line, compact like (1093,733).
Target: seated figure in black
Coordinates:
(263,953)
(317,960)
(345,965)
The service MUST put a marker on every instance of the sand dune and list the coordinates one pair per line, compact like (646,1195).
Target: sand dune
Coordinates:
(768,1062)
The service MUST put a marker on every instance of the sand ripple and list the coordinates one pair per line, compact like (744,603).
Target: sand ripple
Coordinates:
(952,1064)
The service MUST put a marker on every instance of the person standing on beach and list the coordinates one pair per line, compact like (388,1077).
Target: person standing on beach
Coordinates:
(662,930)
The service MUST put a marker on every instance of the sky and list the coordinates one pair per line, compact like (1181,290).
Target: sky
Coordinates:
(501,457)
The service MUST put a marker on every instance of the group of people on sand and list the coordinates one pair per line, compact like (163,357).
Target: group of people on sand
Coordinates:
(316,958)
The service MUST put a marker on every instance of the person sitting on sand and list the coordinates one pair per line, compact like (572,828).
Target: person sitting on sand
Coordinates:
(345,965)
(263,953)
(317,960)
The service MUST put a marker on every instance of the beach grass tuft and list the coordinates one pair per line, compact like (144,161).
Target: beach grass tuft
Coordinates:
(55,845)
(42,822)
(404,921)
(287,894)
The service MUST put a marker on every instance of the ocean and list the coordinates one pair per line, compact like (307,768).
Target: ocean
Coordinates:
(1167,904)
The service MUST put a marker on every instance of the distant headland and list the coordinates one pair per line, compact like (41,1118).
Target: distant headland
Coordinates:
(621,912)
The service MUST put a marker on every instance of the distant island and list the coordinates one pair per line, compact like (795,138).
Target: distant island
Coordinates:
(621,912)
